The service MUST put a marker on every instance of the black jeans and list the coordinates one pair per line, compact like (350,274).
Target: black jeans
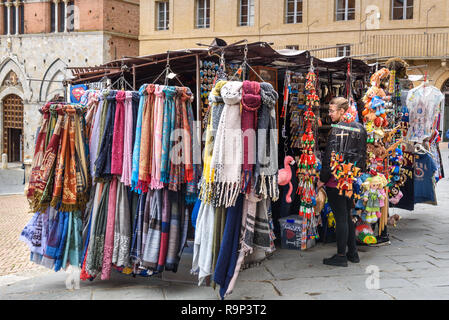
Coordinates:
(345,229)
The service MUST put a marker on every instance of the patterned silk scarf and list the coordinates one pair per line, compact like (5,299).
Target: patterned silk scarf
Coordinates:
(38,151)
(69,194)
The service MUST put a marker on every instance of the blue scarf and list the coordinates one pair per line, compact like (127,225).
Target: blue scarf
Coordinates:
(136,150)
(167,127)
(227,257)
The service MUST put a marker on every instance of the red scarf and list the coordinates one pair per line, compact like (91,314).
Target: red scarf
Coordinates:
(250,104)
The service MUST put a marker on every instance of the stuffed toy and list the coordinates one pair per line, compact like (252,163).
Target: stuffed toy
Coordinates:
(285,177)
(393,220)
(374,197)
(365,234)
(395,195)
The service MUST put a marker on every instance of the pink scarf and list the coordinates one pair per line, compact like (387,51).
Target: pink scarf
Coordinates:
(250,104)
(157,145)
(109,237)
(128,140)
(117,139)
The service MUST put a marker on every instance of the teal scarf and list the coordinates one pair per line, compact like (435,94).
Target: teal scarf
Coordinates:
(136,150)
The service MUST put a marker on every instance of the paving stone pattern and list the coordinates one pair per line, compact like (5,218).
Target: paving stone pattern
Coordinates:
(414,266)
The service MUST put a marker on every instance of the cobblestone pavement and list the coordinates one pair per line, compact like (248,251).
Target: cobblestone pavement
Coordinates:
(14,254)
(414,266)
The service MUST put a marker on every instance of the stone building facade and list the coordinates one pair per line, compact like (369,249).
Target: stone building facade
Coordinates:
(39,40)
(416,30)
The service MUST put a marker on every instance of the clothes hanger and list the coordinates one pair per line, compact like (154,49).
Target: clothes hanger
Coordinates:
(167,71)
(121,81)
(245,64)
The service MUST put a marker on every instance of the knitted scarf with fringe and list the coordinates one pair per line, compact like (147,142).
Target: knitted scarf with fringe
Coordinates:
(217,105)
(266,171)
(227,156)
(250,105)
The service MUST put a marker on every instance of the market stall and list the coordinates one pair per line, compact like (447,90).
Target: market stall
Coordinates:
(123,178)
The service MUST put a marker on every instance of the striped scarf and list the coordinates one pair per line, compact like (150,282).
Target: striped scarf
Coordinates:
(152,245)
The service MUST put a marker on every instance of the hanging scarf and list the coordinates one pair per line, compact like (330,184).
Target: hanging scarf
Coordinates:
(118,135)
(136,149)
(69,192)
(246,236)
(219,224)
(58,184)
(103,164)
(266,171)
(166,210)
(250,105)
(44,184)
(146,140)
(128,137)
(109,235)
(122,230)
(136,246)
(202,249)
(217,105)
(176,158)
(167,128)
(152,245)
(95,136)
(227,257)
(38,151)
(83,180)
(158,117)
(226,163)
(172,259)
(192,186)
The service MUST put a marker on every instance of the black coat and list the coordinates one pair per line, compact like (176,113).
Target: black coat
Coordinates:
(348,140)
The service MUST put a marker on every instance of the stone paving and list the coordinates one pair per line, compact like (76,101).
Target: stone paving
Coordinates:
(414,266)
(14,254)
(11,179)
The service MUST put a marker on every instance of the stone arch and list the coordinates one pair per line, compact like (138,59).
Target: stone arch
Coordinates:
(51,83)
(24,90)
(442,79)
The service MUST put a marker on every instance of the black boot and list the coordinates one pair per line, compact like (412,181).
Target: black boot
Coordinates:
(336,260)
(354,258)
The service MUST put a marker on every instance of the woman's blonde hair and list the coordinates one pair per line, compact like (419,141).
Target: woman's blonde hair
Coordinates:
(341,103)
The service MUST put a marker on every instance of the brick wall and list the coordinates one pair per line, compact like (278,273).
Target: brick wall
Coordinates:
(121,17)
(121,46)
(91,15)
(37,17)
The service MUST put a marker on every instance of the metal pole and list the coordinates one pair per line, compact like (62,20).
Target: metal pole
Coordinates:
(198,110)
(134,78)
(427,28)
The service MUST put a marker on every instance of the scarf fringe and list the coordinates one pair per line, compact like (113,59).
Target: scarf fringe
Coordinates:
(55,201)
(267,186)
(226,194)
(69,207)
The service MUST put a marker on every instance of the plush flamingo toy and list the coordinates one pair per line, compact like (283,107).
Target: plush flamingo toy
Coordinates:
(285,176)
